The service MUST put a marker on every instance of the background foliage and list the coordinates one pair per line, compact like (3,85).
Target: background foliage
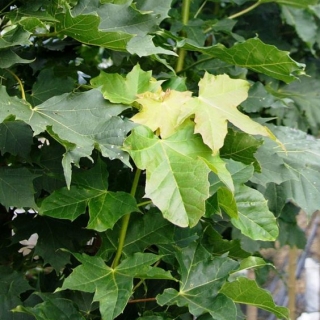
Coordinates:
(150,149)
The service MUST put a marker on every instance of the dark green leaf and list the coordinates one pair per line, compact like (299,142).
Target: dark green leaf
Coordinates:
(90,190)
(241,147)
(112,287)
(16,187)
(52,308)
(16,137)
(201,279)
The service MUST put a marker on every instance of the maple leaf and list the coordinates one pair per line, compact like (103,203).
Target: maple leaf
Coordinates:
(217,103)
(162,110)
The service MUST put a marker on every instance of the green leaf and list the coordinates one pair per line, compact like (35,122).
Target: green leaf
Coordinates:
(252,54)
(52,308)
(293,3)
(173,168)
(302,159)
(118,89)
(227,202)
(16,187)
(16,36)
(12,285)
(200,293)
(158,9)
(85,28)
(251,262)
(218,246)
(8,58)
(217,103)
(90,190)
(56,238)
(255,220)
(273,167)
(162,111)
(304,23)
(112,287)
(143,46)
(290,233)
(305,103)
(79,121)
(241,147)
(258,99)
(16,137)
(150,229)
(48,85)
(246,291)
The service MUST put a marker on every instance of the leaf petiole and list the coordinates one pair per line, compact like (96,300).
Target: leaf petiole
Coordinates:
(240,13)
(23,95)
(125,222)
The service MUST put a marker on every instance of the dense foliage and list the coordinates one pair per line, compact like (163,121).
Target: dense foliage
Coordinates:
(150,149)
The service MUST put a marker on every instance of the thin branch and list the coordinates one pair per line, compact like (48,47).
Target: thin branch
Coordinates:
(142,300)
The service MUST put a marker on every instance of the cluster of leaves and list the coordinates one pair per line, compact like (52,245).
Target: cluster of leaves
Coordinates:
(152,148)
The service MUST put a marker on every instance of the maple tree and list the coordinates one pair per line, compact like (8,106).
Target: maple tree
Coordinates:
(153,148)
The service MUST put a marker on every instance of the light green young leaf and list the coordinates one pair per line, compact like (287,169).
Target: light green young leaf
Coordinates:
(112,287)
(118,89)
(162,111)
(200,293)
(217,103)
(254,220)
(247,291)
(90,189)
(177,177)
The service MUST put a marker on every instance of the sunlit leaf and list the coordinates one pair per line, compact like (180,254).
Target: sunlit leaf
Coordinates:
(177,177)
(254,218)
(247,291)
(118,89)
(217,103)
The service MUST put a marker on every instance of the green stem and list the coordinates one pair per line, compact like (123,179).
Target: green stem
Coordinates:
(185,20)
(200,9)
(23,95)
(141,204)
(196,63)
(7,5)
(236,15)
(125,222)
